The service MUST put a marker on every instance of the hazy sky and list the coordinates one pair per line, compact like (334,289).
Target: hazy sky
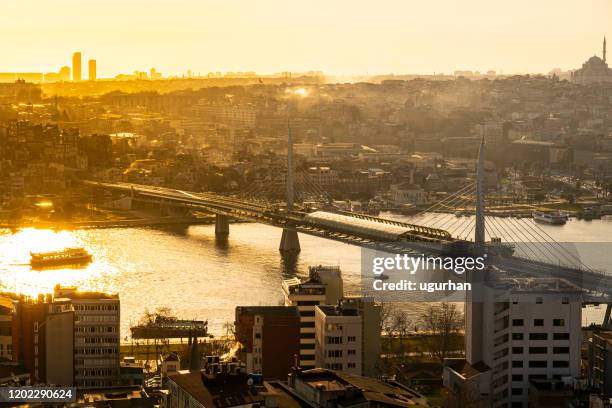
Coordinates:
(335,36)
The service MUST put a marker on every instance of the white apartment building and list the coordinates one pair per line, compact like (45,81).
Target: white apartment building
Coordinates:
(338,338)
(96,336)
(347,336)
(531,329)
(323,287)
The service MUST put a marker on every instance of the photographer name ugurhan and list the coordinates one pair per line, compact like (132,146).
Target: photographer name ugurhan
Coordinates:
(406,285)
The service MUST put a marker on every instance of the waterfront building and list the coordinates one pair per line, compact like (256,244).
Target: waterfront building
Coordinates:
(347,336)
(338,338)
(323,287)
(76,66)
(270,339)
(530,329)
(6,327)
(408,193)
(96,336)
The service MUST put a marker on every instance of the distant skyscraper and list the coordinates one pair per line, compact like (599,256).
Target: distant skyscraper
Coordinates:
(76,66)
(93,74)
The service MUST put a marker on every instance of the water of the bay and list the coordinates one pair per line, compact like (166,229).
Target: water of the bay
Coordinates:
(188,270)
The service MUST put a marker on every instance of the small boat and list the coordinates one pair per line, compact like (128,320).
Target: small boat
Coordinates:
(68,256)
(555,218)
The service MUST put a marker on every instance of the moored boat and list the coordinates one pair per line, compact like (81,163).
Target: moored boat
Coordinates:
(555,218)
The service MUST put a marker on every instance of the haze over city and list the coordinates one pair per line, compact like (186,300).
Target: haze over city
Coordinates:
(338,37)
(340,204)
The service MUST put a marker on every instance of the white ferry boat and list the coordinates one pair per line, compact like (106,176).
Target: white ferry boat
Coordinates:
(555,218)
(68,256)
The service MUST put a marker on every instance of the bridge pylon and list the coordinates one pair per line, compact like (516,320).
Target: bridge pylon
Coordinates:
(290,242)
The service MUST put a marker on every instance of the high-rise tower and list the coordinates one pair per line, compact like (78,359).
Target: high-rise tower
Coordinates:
(93,72)
(76,66)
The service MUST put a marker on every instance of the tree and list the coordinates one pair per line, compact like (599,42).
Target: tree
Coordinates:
(443,322)
(400,324)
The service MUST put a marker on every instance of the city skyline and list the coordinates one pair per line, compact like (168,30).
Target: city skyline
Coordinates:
(438,37)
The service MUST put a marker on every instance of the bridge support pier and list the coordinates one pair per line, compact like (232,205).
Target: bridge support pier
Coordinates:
(607,324)
(221,225)
(290,242)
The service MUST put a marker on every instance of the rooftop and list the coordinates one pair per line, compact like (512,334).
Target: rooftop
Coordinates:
(220,390)
(268,310)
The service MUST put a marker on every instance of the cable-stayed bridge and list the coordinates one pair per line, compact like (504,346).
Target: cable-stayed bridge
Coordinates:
(516,247)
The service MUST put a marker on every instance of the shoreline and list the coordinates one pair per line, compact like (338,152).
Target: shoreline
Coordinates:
(122,223)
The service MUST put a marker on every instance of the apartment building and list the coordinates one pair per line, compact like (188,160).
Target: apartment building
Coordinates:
(338,338)
(600,362)
(270,338)
(96,336)
(347,336)
(531,329)
(6,328)
(323,287)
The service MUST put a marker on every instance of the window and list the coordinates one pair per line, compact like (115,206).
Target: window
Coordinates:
(517,391)
(517,364)
(538,364)
(351,365)
(517,322)
(517,336)
(538,336)
(517,377)
(539,300)
(537,350)
(561,336)
(559,322)
(307,346)
(307,335)
(565,300)
(560,364)
(517,404)
(351,352)
(538,322)
(560,350)
(351,339)
(517,350)
(307,324)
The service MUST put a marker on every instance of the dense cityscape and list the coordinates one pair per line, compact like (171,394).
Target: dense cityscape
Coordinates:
(146,173)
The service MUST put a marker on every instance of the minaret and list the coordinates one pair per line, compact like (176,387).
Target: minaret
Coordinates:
(604,49)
